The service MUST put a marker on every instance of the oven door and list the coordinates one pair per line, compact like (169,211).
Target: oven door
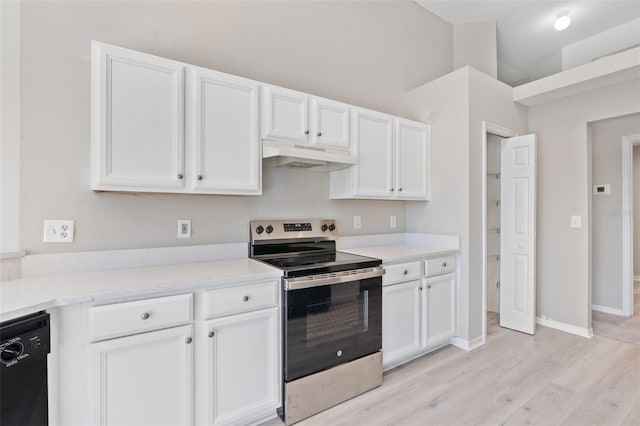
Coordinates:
(331,321)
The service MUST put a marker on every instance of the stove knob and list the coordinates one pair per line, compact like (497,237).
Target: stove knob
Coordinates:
(11,352)
(324,227)
(259,229)
(332,227)
(269,229)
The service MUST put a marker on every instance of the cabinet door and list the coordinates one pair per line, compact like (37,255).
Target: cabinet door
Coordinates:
(440,312)
(243,367)
(330,123)
(285,114)
(146,379)
(225,131)
(373,138)
(412,159)
(137,121)
(400,321)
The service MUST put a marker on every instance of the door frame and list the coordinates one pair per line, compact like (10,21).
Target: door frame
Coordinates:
(504,132)
(628,143)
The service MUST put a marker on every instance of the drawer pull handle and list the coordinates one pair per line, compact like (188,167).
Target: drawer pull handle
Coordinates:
(429,287)
(145,315)
(444,264)
(212,333)
(245,298)
(420,288)
(405,272)
(188,340)
(306,132)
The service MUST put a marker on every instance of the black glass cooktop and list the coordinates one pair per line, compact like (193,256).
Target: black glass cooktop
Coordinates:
(319,262)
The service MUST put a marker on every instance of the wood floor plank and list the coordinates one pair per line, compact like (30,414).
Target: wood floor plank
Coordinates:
(547,407)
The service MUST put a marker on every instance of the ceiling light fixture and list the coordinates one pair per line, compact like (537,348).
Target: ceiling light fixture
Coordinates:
(562,22)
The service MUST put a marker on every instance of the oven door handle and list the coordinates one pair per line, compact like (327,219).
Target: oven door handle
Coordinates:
(310,281)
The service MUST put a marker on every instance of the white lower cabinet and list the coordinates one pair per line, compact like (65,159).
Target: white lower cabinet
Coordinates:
(439,300)
(144,379)
(418,315)
(401,321)
(242,370)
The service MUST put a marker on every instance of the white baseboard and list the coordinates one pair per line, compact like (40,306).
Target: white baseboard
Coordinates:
(467,345)
(607,310)
(567,328)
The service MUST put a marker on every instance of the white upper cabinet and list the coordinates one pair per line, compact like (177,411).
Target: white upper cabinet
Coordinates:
(137,121)
(291,116)
(224,133)
(330,123)
(373,137)
(285,114)
(149,134)
(412,159)
(392,159)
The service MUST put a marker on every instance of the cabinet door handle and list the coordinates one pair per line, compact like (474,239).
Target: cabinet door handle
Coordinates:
(400,189)
(444,264)
(420,288)
(245,298)
(145,315)
(306,132)
(180,176)
(211,333)
(405,272)
(391,190)
(188,340)
(319,133)
(429,287)
(199,177)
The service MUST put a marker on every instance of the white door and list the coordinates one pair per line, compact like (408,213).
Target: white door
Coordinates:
(439,324)
(285,114)
(145,379)
(330,123)
(400,321)
(412,160)
(225,131)
(242,367)
(137,120)
(373,139)
(518,234)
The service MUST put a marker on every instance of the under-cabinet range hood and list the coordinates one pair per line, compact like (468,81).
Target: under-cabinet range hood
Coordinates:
(283,154)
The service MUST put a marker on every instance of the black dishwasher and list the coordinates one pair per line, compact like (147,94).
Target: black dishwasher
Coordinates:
(24,345)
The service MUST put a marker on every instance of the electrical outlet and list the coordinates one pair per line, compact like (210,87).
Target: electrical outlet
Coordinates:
(357,222)
(393,221)
(184,228)
(58,231)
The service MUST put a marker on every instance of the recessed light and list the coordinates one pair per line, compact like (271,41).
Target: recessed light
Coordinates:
(562,22)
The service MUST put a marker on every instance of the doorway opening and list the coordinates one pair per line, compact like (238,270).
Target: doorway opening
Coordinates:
(491,209)
(631,225)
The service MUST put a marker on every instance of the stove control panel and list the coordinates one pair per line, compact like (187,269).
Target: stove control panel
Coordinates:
(268,230)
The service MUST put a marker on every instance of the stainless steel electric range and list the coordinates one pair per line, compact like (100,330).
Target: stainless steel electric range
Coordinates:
(332,314)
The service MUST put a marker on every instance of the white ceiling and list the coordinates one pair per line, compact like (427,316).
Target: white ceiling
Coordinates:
(528,46)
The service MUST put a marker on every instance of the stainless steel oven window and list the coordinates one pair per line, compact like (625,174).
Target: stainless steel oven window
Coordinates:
(341,315)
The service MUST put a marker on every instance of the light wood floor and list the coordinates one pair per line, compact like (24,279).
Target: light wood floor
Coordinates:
(552,378)
(617,327)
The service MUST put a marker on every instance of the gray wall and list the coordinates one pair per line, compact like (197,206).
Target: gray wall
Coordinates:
(367,54)
(636,211)
(563,255)
(606,148)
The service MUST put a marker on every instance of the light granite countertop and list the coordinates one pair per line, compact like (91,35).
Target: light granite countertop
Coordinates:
(27,295)
(397,253)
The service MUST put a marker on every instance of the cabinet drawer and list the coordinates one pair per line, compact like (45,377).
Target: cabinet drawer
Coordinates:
(232,300)
(121,319)
(402,272)
(439,266)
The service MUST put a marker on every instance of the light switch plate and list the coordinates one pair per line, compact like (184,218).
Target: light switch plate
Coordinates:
(184,228)
(393,221)
(576,221)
